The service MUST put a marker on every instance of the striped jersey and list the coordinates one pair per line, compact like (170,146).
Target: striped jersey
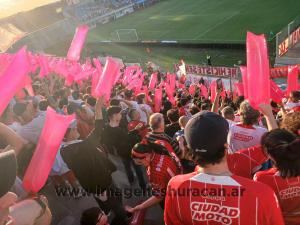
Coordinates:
(154,136)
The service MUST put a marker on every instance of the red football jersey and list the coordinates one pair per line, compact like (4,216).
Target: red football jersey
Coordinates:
(161,169)
(245,162)
(287,191)
(202,199)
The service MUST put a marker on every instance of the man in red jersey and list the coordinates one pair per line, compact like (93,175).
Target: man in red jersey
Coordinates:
(213,195)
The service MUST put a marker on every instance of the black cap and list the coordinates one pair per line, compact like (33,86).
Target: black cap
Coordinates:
(113,110)
(206,132)
(8,171)
(19,108)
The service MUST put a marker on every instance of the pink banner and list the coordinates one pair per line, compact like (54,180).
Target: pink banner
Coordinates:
(77,43)
(275,92)
(42,160)
(107,78)
(258,70)
(13,78)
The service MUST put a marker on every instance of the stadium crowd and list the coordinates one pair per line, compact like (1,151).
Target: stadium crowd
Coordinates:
(208,161)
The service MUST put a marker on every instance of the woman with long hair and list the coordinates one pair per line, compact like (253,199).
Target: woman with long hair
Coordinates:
(283,149)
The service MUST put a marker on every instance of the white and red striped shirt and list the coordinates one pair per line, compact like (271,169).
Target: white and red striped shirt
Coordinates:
(202,199)
(287,191)
(241,136)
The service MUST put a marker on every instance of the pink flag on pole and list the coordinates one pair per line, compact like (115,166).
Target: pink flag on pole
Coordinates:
(42,160)
(276,93)
(153,81)
(157,99)
(292,79)
(258,70)
(244,80)
(77,43)
(13,78)
(107,78)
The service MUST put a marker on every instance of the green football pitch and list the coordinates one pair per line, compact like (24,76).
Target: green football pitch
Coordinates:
(192,21)
(203,20)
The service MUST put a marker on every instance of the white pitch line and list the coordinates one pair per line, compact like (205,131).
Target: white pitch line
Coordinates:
(217,24)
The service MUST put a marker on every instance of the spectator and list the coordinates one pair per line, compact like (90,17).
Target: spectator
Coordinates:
(157,126)
(245,134)
(173,117)
(31,211)
(93,216)
(32,125)
(122,147)
(161,168)
(228,113)
(206,135)
(284,178)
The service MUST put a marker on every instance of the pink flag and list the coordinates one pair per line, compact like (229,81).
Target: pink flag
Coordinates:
(192,89)
(170,93)
(96,75)
(292,79)
(44,67)
(276,93)
(128,73)
(258,70)
(244,79)
(153,81)
(157,99)
(42,160)
(213,93)
(239,88)
(77,43)
(13,78)
(107,78)
(204,91)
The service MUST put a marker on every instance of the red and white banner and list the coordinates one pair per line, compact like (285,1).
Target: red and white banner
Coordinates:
(289,42)
(225,72)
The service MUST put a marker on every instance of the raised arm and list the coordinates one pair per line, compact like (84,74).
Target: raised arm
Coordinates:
(12,138)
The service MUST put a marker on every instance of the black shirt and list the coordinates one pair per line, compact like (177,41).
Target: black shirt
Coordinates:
(172,128)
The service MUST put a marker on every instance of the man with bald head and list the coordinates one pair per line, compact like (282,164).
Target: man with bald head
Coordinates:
(157,125)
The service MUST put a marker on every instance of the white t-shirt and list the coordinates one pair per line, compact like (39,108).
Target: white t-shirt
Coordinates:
(242,136)
(32,130)
(144,117)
